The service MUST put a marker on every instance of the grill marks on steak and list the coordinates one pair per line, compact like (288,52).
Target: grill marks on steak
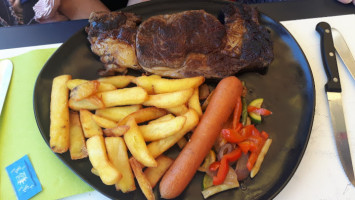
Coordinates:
(166,40)
(191,43)
(112,36)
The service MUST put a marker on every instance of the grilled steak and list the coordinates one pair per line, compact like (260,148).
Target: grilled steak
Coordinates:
(113,37)
(185,44)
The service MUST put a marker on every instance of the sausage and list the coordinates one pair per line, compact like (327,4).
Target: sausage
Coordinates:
(190,158)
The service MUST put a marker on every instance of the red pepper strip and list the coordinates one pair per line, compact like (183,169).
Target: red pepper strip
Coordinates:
(259,141)
(233,155)
(237,113)
(264,135)
(260,111)
(235,136)
(251,161)
(222,172)
(224,165)
(247,146)
(232,136)
(214,166)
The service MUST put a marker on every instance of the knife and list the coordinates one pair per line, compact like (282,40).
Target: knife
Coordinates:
(333,90)
(344,51)
(5,77)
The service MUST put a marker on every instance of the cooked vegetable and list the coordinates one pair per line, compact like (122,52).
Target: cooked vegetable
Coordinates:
(256,118)
(260,158)
(230,182)
(224,165)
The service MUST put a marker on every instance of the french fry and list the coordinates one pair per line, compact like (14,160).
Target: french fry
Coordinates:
(102,86)
(146,82)
(162,85)
(117,154)
(125,96)
(117,113)
(84,90)
(154,174)
(163,118)
(144,115)
(77,147)
(169,100)
(156,148)
(136,144)
(104,123)
(91,103)
(71,84)
(142,180)
(113,146)
(95,172)
(116,131)
(99,160)
(90,127)
(207,101)
(194,102)
(203,91)
(59,115)
(260,158)
(178,110)
(117,81)
(159,130)
(182,142)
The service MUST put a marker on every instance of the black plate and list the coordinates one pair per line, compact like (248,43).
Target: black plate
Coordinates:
(287,87)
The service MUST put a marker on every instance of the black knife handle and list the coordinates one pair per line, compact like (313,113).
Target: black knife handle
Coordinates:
(329,57)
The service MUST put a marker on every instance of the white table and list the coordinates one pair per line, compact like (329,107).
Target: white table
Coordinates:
(320,174)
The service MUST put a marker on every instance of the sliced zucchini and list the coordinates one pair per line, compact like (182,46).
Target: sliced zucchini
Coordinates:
(207,182)
(256,118)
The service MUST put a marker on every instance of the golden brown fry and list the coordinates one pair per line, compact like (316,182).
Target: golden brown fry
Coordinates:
(182,142)
(94,171)
(207,101)
(99,160)
(117,151)
(144,115)
(102,86)
(122,97)
(136,144)
(142,180)
(154,174)
(104,123)
(162,85)
(260,158)
(178,110)
(146,82)
(163,118)
(159,130)
(116,131)
(204,91)
(84,90)
(117,113)
(77,146)
(59,115)
(156,148)
(194,102)
(169,100)
(71,84)
(91,103)
(90,127)
(117,81)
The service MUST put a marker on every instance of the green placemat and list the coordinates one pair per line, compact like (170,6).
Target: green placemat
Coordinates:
(19,135)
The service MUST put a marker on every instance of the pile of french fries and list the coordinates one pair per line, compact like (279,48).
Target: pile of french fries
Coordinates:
(124,128)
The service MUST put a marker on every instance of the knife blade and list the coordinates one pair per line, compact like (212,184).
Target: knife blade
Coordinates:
(333,90)
(344,51)
(5,77)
